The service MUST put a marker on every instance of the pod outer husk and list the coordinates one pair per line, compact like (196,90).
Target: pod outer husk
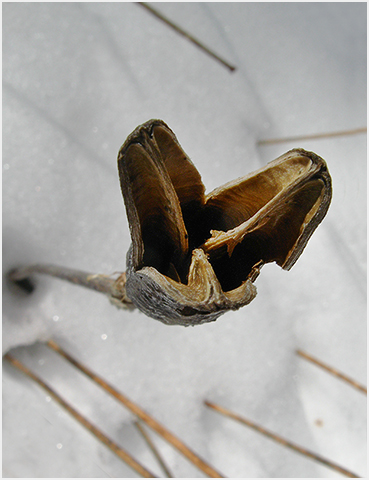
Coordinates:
(194,257)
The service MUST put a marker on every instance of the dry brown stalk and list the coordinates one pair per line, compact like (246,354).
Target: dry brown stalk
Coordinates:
(122,454)
(189,37)
(282,441)
(332,371)
(145,417)
(314,136)
(153,448)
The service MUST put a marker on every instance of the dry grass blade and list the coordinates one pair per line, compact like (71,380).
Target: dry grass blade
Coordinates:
(281,440)
(153,448)
(187,35)
(145,417)
(333,371)
(316,136)
(122,454)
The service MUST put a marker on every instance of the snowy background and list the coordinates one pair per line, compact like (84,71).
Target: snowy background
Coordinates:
(78,78)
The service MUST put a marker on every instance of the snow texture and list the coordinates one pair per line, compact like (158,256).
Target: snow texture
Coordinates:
(78,78)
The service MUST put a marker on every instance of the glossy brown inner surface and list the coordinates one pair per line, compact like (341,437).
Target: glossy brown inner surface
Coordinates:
(269,209)
(271,241)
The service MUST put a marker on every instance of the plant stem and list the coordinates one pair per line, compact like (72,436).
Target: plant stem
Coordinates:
(115,289)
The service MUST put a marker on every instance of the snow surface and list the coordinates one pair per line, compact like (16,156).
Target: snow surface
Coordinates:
(78,78)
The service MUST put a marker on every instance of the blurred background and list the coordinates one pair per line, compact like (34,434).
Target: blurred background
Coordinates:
(77,79)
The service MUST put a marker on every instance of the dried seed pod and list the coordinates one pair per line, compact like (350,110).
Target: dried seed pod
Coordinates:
(194,257)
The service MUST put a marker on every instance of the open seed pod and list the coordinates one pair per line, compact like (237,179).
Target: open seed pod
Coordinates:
(194,257)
